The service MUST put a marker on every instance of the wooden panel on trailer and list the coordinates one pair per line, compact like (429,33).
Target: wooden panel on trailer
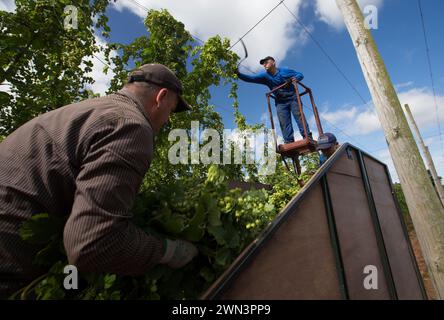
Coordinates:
(296,263)
(402,263)
(357,238)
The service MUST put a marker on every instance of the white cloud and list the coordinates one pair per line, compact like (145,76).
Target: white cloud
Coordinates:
(5,87)
(367,122)
(435,151)
(340,115)
(102,80)
(328,12)
(438,160)
(429,141)
(363,120)
(265,118)
(355,120)
(7,5)
(422,105)
(400,86)
(232,19)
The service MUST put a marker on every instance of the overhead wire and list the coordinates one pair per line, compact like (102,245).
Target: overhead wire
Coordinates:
(257,23)
(431,73)
(326,54)
(146,9)
(194,36)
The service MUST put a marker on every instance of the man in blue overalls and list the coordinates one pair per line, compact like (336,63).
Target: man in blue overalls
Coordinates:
(286,103)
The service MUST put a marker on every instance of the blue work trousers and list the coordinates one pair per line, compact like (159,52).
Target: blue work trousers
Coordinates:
(284,111)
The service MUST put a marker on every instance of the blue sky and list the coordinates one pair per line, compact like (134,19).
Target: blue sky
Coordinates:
(399,38)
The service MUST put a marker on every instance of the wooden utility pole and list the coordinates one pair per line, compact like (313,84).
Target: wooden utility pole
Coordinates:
(424,205)
(428,157)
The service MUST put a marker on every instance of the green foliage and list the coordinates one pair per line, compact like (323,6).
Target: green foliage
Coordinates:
(212,64)
(51,287)
(45,64)
(45,234)
(403,205)
(221,222)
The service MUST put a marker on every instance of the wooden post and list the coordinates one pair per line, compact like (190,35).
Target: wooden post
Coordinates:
(427,155)
(424,205)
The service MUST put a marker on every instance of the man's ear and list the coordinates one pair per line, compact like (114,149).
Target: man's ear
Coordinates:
(161,95)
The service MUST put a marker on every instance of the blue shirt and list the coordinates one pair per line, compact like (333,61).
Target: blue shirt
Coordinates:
(272,81)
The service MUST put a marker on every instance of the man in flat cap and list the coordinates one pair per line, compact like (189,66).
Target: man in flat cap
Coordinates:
(285,98)
(86,161)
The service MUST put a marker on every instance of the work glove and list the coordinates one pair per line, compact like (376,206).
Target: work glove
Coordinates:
(178,253)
